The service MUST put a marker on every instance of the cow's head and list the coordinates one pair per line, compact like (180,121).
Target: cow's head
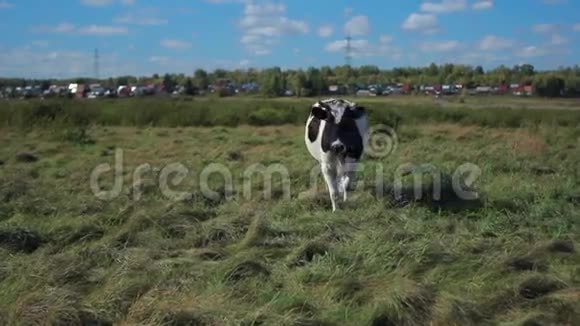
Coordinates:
(340,134)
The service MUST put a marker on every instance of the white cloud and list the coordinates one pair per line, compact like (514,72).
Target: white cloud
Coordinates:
(103,30)
(228,64)
(250,39)
(38,63)
(104,3)
(531,51)
(146,17)
(477,58)
(384,39)
(260,51)
(444,6)
(483,5)
(96,30)
(558,39)
(40,43)
(175,44)
(397,56)
(226,1)
(495,43)
(258,44)
(357,25)
(159,60)
(265,9)
(544,28)
(340,45)
(6,5)
(263,25)
(62,28)
(555,2)
(441,46)
(551,32)
(96,3)
(347,11)
(425,23)
(576,27)
(325,31)
(362,48)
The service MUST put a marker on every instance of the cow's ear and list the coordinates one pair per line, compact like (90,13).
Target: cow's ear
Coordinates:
(358,112)
(319,112)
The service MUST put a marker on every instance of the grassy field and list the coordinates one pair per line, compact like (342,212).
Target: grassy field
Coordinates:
(509,257)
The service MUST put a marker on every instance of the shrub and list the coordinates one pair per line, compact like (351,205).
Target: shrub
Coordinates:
(231,112)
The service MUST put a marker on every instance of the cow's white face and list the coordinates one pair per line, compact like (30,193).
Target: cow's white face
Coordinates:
(334,111)
(340,133)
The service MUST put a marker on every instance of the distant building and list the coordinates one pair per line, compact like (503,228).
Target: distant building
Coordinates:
(524,90)
(336,90)
(503,88)
(123,91)
(364,92)
(448,89)
(82,90)
(483,89)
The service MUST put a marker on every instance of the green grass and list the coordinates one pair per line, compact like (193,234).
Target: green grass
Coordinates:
(231,112)
(67,257)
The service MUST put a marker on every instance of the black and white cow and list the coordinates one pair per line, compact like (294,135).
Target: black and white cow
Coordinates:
(336,135)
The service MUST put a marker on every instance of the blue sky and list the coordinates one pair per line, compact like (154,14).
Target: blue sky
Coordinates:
(142,37)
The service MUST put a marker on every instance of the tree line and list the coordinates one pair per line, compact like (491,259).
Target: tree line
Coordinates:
(274,81)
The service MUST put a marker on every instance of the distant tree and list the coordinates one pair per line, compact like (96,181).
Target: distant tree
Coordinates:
(44,85)
(315,82)
(220,73)
(433,70)
(549,85)
(189,89)
(527,70)
(572,85)
(447,69)
(368,70)
(458,73)
(298,82)
(326,72)
(123,80)
(238,77)
(168,83)
(343,74)
(271,82)
(200,79)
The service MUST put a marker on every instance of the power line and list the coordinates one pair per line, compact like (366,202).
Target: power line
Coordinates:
(96,63)
(348,50)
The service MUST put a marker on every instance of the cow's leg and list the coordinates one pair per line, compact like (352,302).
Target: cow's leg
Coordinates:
(348,176)
(330,176)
